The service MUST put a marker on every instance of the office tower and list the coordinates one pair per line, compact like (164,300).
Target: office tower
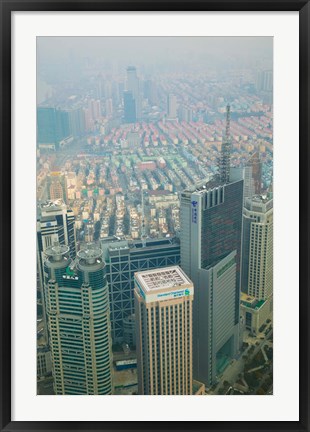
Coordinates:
(257,247)
(63,123)
(89,124)
(163,309)
(185,113)
(46,125)
(211,220)
(253,176)
(133,86)
(55,223)
(77,306)
(172,106)
(52,126)
(94,107)
(257,262)
(76,121)
(129,108)
(123,259)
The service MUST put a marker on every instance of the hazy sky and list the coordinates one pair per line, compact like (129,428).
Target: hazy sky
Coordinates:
(149,51)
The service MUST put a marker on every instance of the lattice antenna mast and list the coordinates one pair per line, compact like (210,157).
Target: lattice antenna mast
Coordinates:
(143,234)
(224,160)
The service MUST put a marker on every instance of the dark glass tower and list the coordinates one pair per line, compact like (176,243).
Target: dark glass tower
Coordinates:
(129,108)
(211,224)
(133,86)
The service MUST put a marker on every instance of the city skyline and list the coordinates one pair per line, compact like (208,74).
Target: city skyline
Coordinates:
(150,166)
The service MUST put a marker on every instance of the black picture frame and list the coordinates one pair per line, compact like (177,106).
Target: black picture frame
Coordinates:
(7,7)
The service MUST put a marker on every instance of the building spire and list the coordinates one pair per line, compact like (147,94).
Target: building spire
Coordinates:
(224,159)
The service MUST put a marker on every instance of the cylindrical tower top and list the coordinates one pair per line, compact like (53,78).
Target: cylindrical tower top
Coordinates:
(90,255)
(56,252)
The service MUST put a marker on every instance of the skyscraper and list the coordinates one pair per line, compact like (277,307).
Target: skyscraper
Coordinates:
(124,258)
(211,223)
(172,106)
(77,301)
(52,126)
(163,310)
(55,224)
(257,262)
(95,109)
(129,108)
(133,86)
(257,247)
(211,220)
(77,121)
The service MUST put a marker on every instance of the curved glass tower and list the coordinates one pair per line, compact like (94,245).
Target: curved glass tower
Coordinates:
(77,305)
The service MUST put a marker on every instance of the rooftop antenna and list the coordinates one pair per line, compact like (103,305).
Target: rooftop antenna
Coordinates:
(224,159)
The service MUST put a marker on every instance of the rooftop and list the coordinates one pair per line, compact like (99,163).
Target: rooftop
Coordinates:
(204,185)
(264,198)
(251,302)
(167,277)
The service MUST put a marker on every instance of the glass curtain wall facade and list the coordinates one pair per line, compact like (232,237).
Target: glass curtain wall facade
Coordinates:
(123,259)
(211,224)
(77,306)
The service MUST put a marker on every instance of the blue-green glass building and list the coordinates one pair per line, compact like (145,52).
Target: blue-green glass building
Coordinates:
(77,307)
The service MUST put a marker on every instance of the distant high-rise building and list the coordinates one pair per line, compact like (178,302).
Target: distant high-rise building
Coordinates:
(77,305)
(185,113)
(77,121)
(123,259)
(52,126)
(94,107)
(172,106)
(46,125)
(163,311)
(211,221)
(133,86)
(89,123)
(129,108)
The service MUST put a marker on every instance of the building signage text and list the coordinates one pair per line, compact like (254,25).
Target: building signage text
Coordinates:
(194,211)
